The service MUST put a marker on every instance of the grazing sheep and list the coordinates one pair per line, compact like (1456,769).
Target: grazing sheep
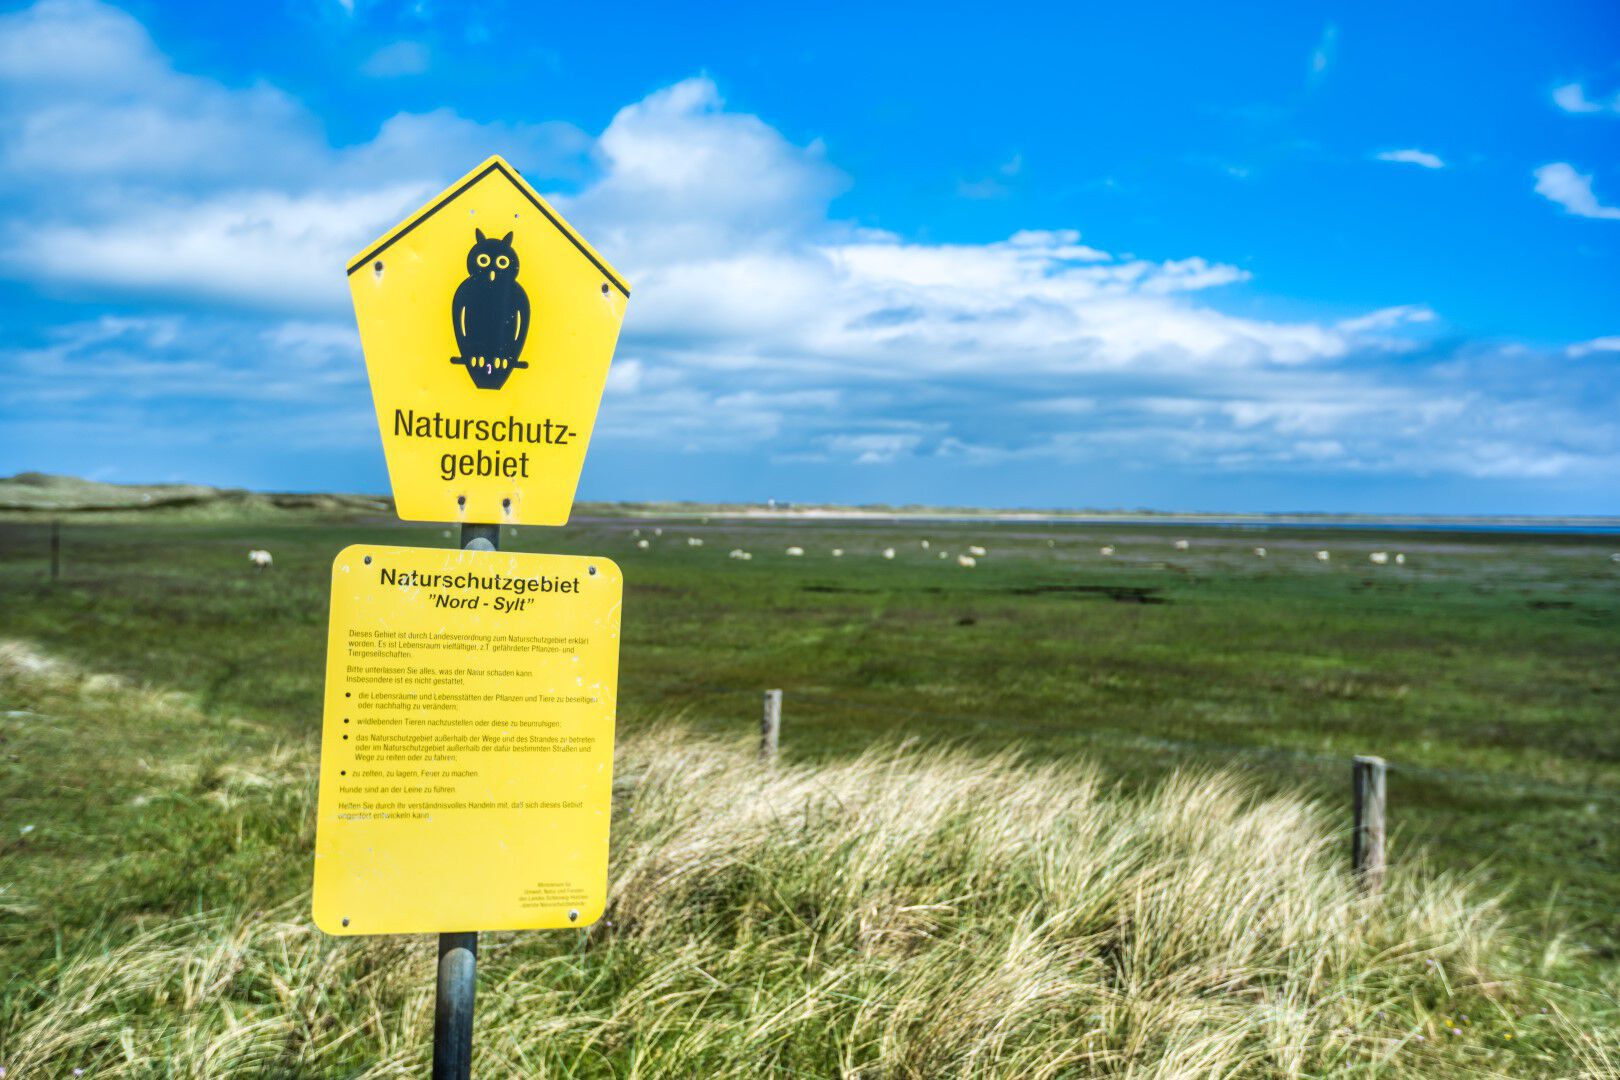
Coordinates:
(838,553)
(1400,558)
(795,551)
(966,560)
(944,554)
(694,541)
(975,549)
(888,553)
(1260,552)
(658,532)
(1323,556)
(643,544)
(1378,558)
(1106,549)
(1183,545)
(739,553)
(260,558)
(924,544)
(635,532)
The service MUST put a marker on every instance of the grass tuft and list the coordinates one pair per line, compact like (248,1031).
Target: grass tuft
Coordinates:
(909,912)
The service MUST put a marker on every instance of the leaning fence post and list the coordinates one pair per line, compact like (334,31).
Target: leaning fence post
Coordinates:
(770,726)
(1367,838)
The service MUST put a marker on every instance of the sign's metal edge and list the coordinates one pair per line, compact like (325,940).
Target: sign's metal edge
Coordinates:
(494,164)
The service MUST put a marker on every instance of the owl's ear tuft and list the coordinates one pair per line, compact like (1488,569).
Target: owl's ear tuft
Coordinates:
(480,234)
(507,239)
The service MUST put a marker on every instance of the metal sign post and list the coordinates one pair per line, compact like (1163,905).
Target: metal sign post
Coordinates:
(453,1006)
(471,694)
(458,952)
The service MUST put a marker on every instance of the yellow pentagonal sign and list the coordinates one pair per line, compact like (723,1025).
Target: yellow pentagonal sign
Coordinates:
(466,776)
(488,325)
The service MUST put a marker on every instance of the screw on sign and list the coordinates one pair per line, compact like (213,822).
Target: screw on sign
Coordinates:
(467,741)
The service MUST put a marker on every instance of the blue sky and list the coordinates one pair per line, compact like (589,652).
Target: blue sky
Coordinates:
(1182,256)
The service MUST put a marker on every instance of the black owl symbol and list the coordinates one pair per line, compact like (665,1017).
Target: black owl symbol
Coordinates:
(491,313)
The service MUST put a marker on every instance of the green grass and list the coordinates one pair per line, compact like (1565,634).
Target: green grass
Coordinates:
(1484,670)
(907,912)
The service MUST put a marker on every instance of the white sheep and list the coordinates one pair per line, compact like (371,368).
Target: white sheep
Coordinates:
(1183,545)
(694,541)
(635,532)
(1378,558)
(1106,549)
(1615,557)
(976,550)
(658,532)
(643,544)
(738,553)
(795,551)
(838,553)
(1260,552)
(1323,556)
(1400,558)
(924,544)
(966,560)
(888,553)
(260,558)
(944,554)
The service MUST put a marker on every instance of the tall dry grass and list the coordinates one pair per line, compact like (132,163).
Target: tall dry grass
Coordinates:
(911,913)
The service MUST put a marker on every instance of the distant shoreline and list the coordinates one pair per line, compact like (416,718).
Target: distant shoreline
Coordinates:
(38,495)
(1436,522)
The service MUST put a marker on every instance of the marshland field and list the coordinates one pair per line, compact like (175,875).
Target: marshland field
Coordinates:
(1058,813)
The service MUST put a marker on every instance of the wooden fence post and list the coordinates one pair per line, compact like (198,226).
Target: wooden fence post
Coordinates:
(56,551)
(1367,838)
(770,726)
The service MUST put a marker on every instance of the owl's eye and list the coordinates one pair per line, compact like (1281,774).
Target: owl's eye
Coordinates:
(483,260)
(502,261)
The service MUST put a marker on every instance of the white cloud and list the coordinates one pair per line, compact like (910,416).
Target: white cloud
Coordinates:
(152,358)
(1322,56)
(396,59)
(261,249)
(988,187)
(1560,183)
(1070,404)
(992,187)
(760,324)
(625,376)
(1596,345)
(1413,157)
(720,221)
(119,156)
(1571,97)
(89,96)
(874,448)
(1388,318)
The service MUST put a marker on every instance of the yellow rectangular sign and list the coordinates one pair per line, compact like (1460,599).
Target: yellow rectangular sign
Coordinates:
(488,325)
(467,747)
